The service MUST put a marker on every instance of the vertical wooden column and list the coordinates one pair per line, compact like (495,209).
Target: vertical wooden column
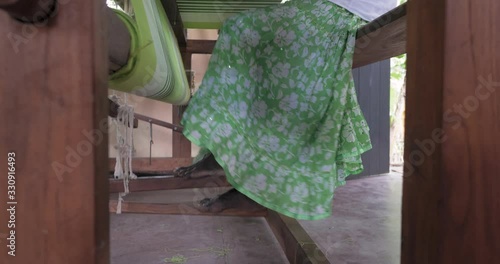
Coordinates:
(451,205)
(54,118)
(180,144)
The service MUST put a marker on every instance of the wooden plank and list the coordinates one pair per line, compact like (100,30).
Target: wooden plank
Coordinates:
(384,20)
(175,19)
(298,246)
(167,183)
(381,39)
(53,83)
(175,128)
(198,46)
(29,11)
(383,43)
(451,206)
(183,209)
(181,146)
(157,164)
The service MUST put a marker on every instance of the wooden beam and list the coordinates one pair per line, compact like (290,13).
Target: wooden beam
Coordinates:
(157,164)
(167,183)
(113,112)
(298,246)
(175,128)
(175,19)
(183,209)
(384,20)
(451,208)
(198,46)
(384,43)
(53,91)
(181,146)
(383,38)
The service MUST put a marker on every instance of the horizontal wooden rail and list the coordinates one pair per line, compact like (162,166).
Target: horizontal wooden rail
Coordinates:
(158,122)
(141,165)
(167,183)
(381,39)
(183,209)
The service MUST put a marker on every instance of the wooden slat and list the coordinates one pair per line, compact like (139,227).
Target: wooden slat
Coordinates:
(157,164)
(198,46)
(383,38)
(181,146)
(383,43)
(167,183)
(175,128)
(384,20)
(451,206)
(298,246)
(183,209)
(53,91)
(174,17)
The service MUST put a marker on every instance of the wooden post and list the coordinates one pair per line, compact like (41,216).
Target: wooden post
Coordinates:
(54,99)
(451,206)
(181,146)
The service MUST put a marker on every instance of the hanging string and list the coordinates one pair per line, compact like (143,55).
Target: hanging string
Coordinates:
(124,147)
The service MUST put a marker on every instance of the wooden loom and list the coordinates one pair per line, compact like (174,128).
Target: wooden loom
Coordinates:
(450,209)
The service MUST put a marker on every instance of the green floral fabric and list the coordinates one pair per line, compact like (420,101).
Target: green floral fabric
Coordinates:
(277,106)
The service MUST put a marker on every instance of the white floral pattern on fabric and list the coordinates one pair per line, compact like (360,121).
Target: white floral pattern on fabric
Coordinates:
(277,106)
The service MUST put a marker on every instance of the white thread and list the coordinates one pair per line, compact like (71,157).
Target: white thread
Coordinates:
(119,205)
(124,146)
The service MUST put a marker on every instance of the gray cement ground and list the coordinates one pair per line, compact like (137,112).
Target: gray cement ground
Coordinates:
(365,228)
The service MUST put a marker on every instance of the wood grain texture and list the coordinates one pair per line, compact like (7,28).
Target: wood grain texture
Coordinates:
(157,164)
(451,208)
(198,46)
(381,39)
(181,146)
(170,183)
(53,91)
(175,19)
(383,43)
(183,209)
(175,128)
(298,246)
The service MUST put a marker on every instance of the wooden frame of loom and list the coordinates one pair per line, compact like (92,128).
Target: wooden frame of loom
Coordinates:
(450,208)
(385,37)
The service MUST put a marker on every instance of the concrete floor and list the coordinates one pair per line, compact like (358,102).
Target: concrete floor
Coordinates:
(365,228)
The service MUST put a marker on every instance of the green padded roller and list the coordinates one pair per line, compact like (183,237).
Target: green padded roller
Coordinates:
(155,69)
